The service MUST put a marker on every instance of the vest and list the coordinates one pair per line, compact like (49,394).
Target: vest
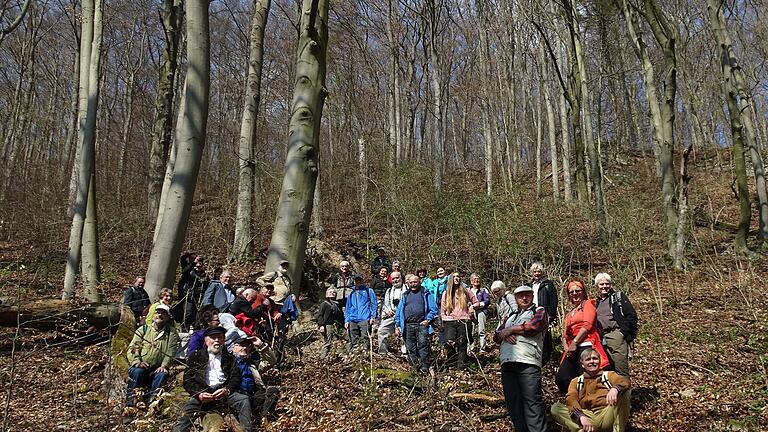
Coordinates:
(528,349)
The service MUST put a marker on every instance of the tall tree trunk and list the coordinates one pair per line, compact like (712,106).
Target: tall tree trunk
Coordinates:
(172,227)
(734,75)
(90,46)
(539,130)
(682,220)
(171,17)
(243,220)
(395,135)
(575,100)
(294,208)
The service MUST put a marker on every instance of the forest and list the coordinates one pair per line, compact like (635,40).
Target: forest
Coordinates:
(477,136)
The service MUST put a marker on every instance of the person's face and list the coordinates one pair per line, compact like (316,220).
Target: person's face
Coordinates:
(475,281)
(414,283)
(358,282)
(524,299)
(139,282)
(344,267)
(395,278)
(241,349)
(604,286)
(456,279)
(591,363)
(166,299)
(251,296)
(199,264)
(496,292)
(161,317)
(382,272)
(214,343)
(422,274)
(440,272)
(575,294)
(395,267)
(283,268)
(225,278)
(537,274)
(214,322)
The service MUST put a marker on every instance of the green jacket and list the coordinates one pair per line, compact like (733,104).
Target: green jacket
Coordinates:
(156,348)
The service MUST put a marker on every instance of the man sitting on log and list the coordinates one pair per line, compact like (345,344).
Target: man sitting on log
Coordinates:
(150,353)
(212,379)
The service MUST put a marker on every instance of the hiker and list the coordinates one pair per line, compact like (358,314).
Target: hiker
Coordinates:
(505,301)
(136,298)
(209,317)
(150,354)
(381,260)
(342,282)
(192,283)
(617,320)
(395,268)
(413,318)
(579,333)
(243,305)
(597,400)
(455,310)
(521,339)
(481,312)
(281,282)
(360,313)
(391,300)
(212,379)
(381,283)
(328,317)
(251,355)
(164,298)
(436,289)
(544,295)
(219,292)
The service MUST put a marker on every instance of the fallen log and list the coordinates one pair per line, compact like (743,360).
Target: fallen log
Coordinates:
(53,314)
(477,398)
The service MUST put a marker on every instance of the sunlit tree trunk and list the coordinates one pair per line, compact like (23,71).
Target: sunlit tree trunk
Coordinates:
(246,154)
(172,229)
(294,208)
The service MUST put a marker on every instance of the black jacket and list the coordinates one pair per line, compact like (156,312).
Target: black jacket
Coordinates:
(623,313)
(137,299)
(195,381)
(547,297)
(242,306)
(329,313)
(192,282)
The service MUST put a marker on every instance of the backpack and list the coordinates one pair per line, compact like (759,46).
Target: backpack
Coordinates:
(626,317)
(603,379)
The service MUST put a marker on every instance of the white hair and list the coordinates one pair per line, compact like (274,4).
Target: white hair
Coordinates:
(249,291)
(498,285)
(602,276)
(537,266)
(343,263)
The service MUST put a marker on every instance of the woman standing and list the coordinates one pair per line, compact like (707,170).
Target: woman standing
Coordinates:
(481,312)
(456,314)
(580,333)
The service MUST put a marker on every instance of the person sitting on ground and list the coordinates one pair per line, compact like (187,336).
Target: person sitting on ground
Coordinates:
(164,298)
(281,282)
(413,318)
(136,298)
(220,293)
(212,379)
(208,318)
(544,295)
(381,260)
(381,283)
(579,333)
(192,283)
(481,312)
(243,304)
(505,301)
(597,400)
(521,339)
(455,310)
(342,282)
(617,320)
(150,354)
(328,317)
(267,322)
(391,300)
(360,313)
(263,398)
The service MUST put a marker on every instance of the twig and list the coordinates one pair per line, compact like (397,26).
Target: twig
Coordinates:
(701,368)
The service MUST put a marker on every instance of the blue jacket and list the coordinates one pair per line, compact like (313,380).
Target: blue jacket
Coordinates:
(437,287)
(361,305)
(431,310)
(218,295)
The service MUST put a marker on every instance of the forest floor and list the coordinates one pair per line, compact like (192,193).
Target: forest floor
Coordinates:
(698,364)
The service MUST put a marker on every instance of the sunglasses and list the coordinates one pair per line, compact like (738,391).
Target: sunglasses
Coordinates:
(575,292)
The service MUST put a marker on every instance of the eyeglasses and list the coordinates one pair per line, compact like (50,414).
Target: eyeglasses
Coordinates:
(575,292)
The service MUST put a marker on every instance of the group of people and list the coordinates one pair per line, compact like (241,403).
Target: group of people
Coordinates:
(593,370)
(239,333)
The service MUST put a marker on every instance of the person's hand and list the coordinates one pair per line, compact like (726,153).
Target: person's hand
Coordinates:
(278,316)
(161,369)
(397,331)
(586,424)
(390,314)
(293,297)
(612,396)
(142,365)
(321,329)
(571,349)
(205,397)
(346,326)
(220,393)
(257,342)
(265,302)
(511,339)
(370,321)
(424,323)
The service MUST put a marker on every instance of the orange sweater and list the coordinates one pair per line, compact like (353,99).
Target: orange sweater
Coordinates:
(593,393)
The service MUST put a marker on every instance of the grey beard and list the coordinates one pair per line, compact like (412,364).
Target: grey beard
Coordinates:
(215,349)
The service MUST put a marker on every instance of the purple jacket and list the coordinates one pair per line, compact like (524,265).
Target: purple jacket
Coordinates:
(484,297)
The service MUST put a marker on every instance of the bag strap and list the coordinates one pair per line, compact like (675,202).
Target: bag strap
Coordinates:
(606,382)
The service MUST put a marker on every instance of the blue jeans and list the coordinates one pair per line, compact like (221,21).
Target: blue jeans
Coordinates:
(522,393)
(140,377)
(417,343)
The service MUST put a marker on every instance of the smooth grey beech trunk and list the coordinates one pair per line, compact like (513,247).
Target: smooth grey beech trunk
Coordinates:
(294,208)
(246,151)
(90,47)
(172,229)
